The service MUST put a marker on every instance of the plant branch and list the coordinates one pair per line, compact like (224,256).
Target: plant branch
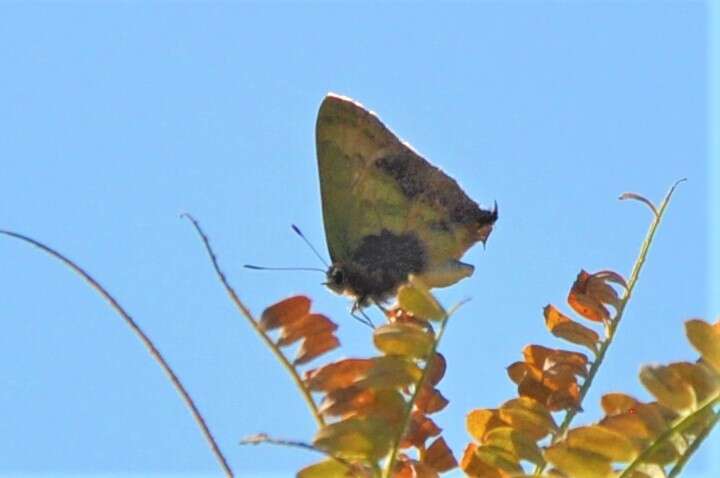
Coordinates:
(245,312)
(147,342)
(631,283)
(679,426)
(694,446)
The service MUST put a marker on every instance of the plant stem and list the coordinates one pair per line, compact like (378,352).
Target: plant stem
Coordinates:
(693,447)
(245,312)
(154,352)
(611,330)
(677,428)
(407,416)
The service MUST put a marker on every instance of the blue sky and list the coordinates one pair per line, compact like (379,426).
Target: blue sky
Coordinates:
(117,118)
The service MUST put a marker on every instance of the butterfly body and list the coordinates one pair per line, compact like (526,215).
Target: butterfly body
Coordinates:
(388,212)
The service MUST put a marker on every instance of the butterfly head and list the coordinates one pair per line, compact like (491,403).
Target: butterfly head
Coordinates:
(337,279)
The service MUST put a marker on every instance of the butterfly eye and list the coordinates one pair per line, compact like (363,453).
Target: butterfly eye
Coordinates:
(337,276)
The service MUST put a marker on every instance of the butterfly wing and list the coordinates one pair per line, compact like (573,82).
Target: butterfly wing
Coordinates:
(372,181)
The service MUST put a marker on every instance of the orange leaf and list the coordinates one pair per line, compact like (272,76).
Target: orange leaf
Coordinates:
(561,326)
(705,338)
(390,372)
(407,468)
(616,403)
(564,399)
(536,355)
(578,462)
(439,456)
(577,361)
(430,400)
(420,429)
(583,302)
(529,387)
(340,374)
(285,312)
(307,326)
(315,346)
(669,387)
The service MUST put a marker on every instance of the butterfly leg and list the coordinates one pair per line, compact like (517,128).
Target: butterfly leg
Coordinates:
(358,314)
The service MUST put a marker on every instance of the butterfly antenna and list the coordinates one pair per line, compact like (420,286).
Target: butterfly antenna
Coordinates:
(263,268)
(302,236)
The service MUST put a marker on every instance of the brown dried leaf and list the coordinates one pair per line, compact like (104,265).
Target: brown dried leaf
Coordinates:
(315,346)
(603,441)
(355,401)
(408,468)
(419,430)
(430,400)
(404,339)
(439,456)
(583,302)
(575,360)
(335,375)
(706,340)
(437,370)
(563,327)
(564,399)
(528,416)
(669,387)
(307,326)
(356,438)
(480,421)
(536,355)
(285,312)
(529,387)
(579,463)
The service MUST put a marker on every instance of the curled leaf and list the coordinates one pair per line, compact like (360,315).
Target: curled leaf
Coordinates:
(563,327)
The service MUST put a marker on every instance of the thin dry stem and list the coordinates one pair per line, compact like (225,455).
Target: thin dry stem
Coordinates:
(154,352)
(307,395)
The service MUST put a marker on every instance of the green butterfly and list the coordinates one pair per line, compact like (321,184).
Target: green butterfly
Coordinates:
(388,212)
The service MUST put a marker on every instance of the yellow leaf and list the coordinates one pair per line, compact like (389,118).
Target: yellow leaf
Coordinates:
(474,466)
(356,438)
(499,458)
(528,416)
(403,339)
(481,421)
(700,376)
(578,463)
(417,299)
(603,441)
(668,387)
(326,469)
(706,340)
(520,445)
(561,326)
(390,372)
(614,403)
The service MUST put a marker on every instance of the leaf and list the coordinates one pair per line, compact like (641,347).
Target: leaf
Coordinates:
(480,421)
(356,439)
(357,401)
(615,403)
(437,369)
(578,463)
(584,302)
(475,466)
(520,445)
(390,372)
(704,381)
(335,375)
(329,468)
(430,400)
(705,338)
(315,346)
(668,387)
(528,416)
(417,299)
(307,326)
(419,430)
(285,312)
(439,456)
(536,355)
(561,326)
(499,458)
(407,468)
(403,339)
(606,442)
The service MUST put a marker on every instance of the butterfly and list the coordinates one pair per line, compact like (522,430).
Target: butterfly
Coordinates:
(388,212)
